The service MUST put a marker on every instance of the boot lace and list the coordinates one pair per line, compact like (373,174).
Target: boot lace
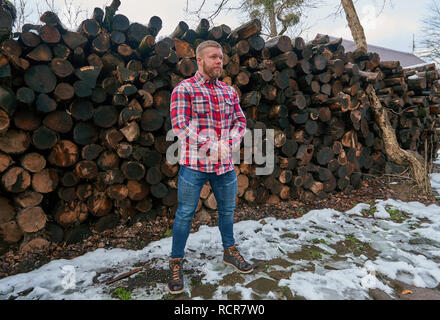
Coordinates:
(237,255)
(176,269)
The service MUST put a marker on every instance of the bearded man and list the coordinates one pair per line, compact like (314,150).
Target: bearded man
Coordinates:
(209,122)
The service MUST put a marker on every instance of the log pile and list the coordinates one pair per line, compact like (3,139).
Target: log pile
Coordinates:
(84,116)
(412,97)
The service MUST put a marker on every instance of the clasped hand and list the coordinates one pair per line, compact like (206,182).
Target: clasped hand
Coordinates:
(223,151)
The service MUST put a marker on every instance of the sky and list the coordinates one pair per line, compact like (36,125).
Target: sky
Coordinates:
(393,28)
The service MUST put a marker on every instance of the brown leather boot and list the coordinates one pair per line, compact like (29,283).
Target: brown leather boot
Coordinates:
(175,284)
(233,258)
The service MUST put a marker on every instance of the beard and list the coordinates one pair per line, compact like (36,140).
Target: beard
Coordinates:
(212,73)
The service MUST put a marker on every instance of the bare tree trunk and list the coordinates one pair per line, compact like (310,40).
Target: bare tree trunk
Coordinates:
(396,154)
(273,23)
(355,25)
(393,150)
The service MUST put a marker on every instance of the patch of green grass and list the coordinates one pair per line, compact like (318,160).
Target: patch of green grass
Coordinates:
(414,226)
(121,294)
(284,288)
(369,212)
(196,281)
(351,238)
(286,292)
(355,241)
(301,210)
(316,240)
(396,214)
(328,236)
(315,254)
(267,268)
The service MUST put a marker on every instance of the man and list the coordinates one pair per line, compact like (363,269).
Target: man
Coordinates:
(208,120)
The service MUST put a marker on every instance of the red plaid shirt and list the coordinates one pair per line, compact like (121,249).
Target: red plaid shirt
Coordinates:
(203,114)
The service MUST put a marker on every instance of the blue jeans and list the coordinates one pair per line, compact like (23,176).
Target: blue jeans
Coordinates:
(189,185)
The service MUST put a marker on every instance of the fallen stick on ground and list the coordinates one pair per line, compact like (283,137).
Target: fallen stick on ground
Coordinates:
(125,275)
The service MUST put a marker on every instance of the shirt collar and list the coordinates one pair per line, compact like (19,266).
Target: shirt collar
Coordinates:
(202,80)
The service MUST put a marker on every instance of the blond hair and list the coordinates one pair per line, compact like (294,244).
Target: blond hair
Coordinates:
(206,44)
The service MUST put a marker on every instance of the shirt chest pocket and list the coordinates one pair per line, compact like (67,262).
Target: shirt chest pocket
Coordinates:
(200,105)
(228,106)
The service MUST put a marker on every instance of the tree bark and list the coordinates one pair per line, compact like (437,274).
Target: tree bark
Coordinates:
(356,28)
(273,23)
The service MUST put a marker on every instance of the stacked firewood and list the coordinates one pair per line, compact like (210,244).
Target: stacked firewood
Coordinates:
(417,122)
(412,97)
(84,117)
